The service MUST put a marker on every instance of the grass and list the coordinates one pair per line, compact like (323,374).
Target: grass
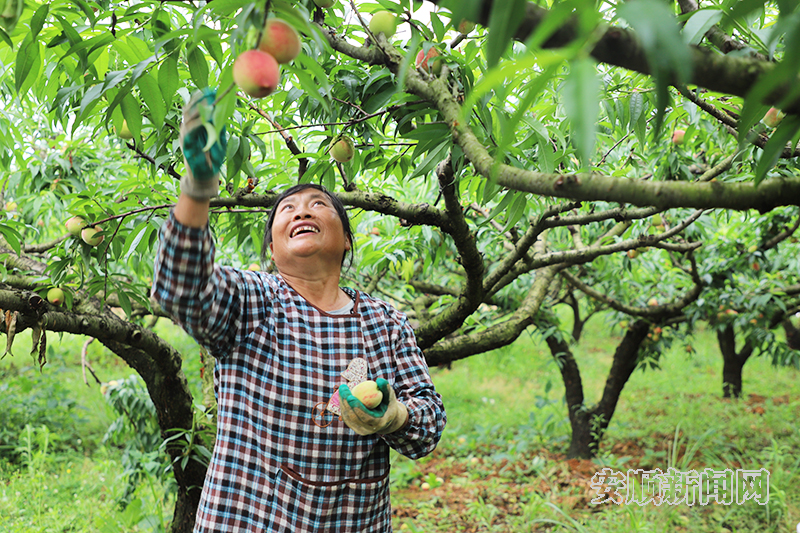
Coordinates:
(499,467)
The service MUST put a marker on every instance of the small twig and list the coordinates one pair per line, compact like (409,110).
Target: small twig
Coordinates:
(264,22)
(85,362)
(224,93)
(129,213)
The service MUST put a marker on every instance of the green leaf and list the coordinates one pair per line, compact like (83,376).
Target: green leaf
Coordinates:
(226,7)
(151,94)
(12,237)
(134,239)
(508,130)
(744,7)
(432,159)
(29,62)
(499,76)
(699,23)
(504,20)
(168,78)
(508,197)
(235,157)
(668,56)
(6,39)
(581,100)
(124,301)
(227,103)
(785,132)
(87,10)
(636,106)
(130,110)
(38,18)
(198,67)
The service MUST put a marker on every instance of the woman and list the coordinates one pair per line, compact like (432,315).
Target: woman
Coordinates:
(287,345)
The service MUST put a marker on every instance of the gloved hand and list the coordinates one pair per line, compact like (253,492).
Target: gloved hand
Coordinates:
(201,180)
(386,418)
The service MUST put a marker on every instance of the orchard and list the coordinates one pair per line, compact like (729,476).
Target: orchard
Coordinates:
(502,162)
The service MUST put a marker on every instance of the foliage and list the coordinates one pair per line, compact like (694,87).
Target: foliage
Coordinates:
(532,166)
(137,432)
(38,412)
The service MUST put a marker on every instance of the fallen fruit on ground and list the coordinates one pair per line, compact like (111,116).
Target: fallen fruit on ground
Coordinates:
(256,73)
(91,235)
(55,296)
(342,149)
(368,393)
(426,61)
(75,225)
(280,40)
(384,22)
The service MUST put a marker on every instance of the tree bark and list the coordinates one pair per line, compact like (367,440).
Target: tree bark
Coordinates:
(159,365)
(733,362)
(589,424)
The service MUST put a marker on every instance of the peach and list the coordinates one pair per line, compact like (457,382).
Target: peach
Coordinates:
(125,132)
(75,225)
(466,26)
(90,235)
(773,117)
(425,61)
(55,296)
(384,22)
(280,40)
(369,393)
(256,73)
(324,3)
(342,149)
(677,137)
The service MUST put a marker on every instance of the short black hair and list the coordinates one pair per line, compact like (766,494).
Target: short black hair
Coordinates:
(337,204)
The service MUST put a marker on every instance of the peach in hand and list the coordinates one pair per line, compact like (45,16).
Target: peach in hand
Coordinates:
(368,393)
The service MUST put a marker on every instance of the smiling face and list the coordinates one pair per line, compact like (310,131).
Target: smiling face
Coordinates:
(306,225)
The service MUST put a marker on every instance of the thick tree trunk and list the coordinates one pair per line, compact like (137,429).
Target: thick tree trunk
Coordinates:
(792,334)
(733,362)
(169,391)
(589,425)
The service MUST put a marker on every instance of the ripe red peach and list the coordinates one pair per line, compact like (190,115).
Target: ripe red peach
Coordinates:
(280,40)
(256,73)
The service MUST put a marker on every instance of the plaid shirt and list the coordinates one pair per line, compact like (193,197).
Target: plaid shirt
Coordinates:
(273,469)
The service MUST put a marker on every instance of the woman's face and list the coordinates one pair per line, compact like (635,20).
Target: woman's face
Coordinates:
(307,226)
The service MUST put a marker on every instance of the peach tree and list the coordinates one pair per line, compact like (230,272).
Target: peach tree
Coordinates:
(539,152)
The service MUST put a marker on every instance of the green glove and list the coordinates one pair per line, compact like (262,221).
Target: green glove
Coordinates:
(386,418)
(201,180)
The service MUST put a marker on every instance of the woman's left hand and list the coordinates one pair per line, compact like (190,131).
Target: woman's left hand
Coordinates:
(389,416)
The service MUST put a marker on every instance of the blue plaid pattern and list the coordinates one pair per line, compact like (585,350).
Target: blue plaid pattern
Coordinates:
(273,469)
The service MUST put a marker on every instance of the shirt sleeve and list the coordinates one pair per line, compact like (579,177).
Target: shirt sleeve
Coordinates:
(208,301)
(414,388)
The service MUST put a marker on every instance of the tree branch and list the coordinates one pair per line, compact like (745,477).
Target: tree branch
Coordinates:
(498,335)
